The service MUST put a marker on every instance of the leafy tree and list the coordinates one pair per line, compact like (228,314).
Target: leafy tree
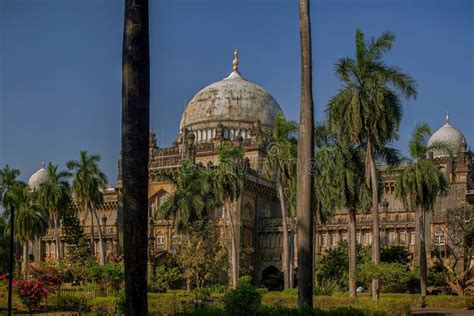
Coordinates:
(280,166)
(200,256)
(304,181)
(339,184)
(87,186)
(8,180)
(164,278)
(419,185)
(31,221)
(55,197)
(333,266)
(368,110)
(78,247)
(388,273)
(458,266)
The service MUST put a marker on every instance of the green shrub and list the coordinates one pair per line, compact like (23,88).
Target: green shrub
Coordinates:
(245,279)
(217,288)
(104,305)
(73,303)
(325,287)
(469,301)
(201,294)
(243,300)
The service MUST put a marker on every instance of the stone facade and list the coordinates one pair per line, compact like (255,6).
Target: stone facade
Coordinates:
(237,110)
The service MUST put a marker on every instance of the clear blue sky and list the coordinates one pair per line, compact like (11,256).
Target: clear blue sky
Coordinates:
(60,65)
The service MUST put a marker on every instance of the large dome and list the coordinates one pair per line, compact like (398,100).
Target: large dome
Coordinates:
(37,178)
(449,136)
(234,101)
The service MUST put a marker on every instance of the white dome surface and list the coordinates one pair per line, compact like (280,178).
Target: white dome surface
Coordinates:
(233,99)
(448,135)
(37,178)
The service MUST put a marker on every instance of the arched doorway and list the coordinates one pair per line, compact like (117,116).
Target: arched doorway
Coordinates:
(272,278)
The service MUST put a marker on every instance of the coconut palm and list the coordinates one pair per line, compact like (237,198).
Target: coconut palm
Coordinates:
(187,204)
(31,221)
(87,186)
(304,185)
(368,109)
(54,196)
(339,184)
(419,186)
(8,179)
(227,187)
(279,166)
(135,151)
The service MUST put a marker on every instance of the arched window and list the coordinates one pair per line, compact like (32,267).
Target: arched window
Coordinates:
(157,201)
(439,237)
(160,239)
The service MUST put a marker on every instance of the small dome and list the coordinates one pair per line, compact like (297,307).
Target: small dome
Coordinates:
(448,135)
(37,178)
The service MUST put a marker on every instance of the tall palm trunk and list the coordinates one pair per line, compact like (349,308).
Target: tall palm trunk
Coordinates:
(286,252)
(56,232)
(135,134)
(24,263)
(375,219)
(233,249)
(103,258)
(304,186)
(292,255)
(92,232)
(422,254)
(352,236)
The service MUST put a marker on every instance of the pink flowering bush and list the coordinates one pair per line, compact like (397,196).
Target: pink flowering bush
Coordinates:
(51,279)
(30,292)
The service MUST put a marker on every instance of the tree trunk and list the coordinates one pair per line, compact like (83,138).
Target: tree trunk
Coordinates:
(103,258)
(233,250)
(135,152)
(352,236)
(56,231)
(92,233)
(422,255)
(24,263)
(292,256)
(286,253)
(375,219)
(304,186)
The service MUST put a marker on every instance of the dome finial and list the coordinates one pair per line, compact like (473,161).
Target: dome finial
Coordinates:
(42,164)
(446,120)
(236,60)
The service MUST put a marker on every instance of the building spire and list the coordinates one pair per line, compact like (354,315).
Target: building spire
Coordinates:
(236,60)
(446,120)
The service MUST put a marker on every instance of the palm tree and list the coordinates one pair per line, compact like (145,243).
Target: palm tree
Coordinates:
(135,151)
(8,179)
(227,187)
(54,196)
(87,186)
(368,109)
(419,185)
(339,184)
(31,221)
(187,203)
(279,166)
(304,185)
